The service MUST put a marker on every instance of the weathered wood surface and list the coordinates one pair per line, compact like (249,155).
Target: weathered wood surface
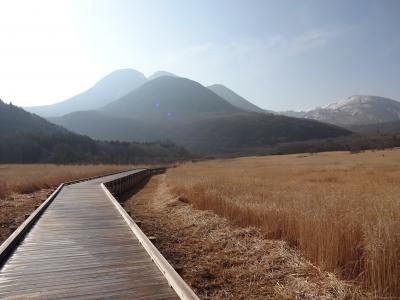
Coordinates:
(81,248)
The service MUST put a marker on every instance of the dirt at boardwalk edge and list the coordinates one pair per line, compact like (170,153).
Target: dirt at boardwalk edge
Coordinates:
(221,261)
(15,208)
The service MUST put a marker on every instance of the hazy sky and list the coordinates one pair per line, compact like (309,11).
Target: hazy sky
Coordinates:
(278,54)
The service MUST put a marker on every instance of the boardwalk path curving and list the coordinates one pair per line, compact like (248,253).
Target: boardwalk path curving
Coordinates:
(82,248)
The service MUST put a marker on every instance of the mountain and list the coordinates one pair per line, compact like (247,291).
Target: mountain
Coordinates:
(108,89)
(356,110)
(28,138)
(234,98)
(187,113)
(161,74)
(169,98)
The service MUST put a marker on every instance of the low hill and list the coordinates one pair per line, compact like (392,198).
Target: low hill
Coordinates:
(388,128)
(234,98)
(241,133)
(108,89)
(211,135)
(27,138)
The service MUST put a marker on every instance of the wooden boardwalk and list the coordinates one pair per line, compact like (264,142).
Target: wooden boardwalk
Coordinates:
(82,248)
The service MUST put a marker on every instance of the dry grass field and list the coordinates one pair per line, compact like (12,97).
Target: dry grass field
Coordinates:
(221,261)
(341,210)
(25,179)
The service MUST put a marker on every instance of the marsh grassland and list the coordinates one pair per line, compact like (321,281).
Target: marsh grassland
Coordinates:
(341,210)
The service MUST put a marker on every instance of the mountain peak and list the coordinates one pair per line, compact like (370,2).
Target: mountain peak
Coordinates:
(233,98)
(120,77)
(161,74)
(217,85)
(126,71)
(109,88)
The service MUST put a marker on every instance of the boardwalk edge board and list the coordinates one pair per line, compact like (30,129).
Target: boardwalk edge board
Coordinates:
(175,281)
(13,240)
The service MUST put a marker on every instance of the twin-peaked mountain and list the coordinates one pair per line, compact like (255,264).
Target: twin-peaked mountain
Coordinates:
(187,113)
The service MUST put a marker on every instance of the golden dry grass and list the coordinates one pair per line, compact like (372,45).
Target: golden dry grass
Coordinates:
(221,261)
(29,178)
(341,210)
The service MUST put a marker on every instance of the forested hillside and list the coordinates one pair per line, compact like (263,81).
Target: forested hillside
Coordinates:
(27,138)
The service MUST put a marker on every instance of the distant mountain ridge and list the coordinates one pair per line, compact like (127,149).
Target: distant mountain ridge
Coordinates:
(126,106)
(359,109)
(355,110)
(212,120)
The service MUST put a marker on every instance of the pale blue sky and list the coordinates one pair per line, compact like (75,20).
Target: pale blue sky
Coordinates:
(278,54)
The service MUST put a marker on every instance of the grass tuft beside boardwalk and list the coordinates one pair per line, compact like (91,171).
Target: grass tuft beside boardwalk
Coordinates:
(341,210)
(24,179)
